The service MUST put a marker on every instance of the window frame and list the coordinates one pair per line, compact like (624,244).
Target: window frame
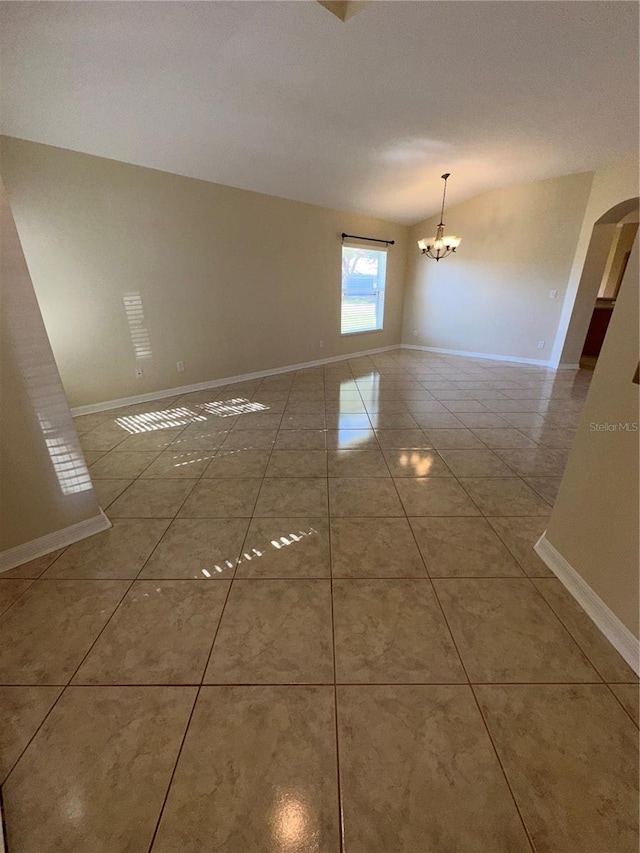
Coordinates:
(381,294)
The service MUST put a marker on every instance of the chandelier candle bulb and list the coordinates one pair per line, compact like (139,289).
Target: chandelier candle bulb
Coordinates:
(440,246)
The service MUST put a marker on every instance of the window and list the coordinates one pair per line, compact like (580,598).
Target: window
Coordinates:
(363,279)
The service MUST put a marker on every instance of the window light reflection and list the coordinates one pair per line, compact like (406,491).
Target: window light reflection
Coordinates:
(165,419)
(189,459)
(255,553)
(183,415)
(349,439)
(228,408)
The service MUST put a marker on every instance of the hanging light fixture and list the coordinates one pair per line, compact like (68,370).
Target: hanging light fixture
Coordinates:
(440,246)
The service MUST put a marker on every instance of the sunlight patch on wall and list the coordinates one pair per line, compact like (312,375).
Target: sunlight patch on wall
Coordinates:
(68,462)
(50,406)
(137,330)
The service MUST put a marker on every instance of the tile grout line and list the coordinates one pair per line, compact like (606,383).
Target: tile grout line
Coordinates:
(30,740)
(400,401)
(339,683)
(504,773)
(610,686)
(244,541)
(132,582)
(68,683)
(335,673)
(175,765)
(206,664)
(238,561)
(117,607)
(24,591)
(565,628)
(525,574)
(464,668)
(531,578)
(502,767)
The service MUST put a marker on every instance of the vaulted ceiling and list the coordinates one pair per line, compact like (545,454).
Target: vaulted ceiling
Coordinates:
(363,114)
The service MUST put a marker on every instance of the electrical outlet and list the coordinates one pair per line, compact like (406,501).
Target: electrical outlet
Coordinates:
(321,344)
(139,373)
(553,294)
(180,366)
(540,344)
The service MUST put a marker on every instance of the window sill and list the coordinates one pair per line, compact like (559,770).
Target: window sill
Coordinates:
(366,332)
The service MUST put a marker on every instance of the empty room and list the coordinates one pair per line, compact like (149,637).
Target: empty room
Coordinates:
(319,413)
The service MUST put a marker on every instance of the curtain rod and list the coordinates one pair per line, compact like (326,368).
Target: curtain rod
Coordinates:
(370,239)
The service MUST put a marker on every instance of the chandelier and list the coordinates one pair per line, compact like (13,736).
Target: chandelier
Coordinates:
(440,246)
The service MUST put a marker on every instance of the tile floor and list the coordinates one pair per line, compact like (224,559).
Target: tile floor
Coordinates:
(318,624)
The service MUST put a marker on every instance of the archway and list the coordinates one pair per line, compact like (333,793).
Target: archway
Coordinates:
(611,239)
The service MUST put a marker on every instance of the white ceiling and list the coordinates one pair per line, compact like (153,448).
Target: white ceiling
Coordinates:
(364,115)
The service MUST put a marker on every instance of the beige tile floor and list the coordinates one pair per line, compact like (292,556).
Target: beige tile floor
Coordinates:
(318,624)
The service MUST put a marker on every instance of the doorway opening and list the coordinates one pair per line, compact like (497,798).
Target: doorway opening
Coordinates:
(621,239)
(611,239)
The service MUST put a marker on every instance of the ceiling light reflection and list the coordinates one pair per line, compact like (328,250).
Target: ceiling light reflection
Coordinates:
(73,807)
(420,463)
(293,827)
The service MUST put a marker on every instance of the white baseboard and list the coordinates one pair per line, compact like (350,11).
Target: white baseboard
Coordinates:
(21,554)
(604,618)
(216,383)
(512,358)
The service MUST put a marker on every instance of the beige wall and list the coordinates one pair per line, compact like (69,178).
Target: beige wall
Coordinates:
(45,485)
(229,281)
(623,242)
(492,297)
(613,184)
(594,524)
(602,243)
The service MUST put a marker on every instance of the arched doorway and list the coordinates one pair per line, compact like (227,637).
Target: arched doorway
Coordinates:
(621,242)
(611,240)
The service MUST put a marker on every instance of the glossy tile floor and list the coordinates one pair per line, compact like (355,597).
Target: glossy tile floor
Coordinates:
(318,624)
